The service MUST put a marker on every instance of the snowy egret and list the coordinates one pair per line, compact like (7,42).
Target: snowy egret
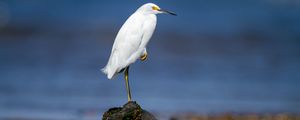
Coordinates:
(131,41)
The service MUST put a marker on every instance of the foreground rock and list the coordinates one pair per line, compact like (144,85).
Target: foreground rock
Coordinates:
(129,111)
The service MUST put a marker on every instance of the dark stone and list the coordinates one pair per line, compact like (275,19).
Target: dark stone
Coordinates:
(129,111)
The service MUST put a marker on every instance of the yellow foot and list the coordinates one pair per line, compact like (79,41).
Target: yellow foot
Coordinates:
(144,57)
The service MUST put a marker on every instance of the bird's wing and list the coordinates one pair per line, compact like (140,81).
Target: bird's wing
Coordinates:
(126,43)
(130,36)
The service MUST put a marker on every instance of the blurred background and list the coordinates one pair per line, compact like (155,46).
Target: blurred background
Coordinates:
(216,56)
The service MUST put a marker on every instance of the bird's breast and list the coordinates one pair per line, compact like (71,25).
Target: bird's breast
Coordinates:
(148,27)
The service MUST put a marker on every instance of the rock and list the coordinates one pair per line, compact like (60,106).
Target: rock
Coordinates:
(129,111)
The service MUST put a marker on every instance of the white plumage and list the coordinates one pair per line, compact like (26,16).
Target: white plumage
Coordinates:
(132,39)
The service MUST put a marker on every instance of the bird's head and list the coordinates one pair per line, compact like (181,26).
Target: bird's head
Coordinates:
(151,8)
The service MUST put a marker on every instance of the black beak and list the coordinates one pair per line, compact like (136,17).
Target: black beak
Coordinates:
(168,12)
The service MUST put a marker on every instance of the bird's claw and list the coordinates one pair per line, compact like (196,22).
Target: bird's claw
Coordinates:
(144,57)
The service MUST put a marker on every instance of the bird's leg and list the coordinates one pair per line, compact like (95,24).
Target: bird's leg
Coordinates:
(144,56)
(127,83)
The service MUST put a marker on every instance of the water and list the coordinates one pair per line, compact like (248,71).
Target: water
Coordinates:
(214,57)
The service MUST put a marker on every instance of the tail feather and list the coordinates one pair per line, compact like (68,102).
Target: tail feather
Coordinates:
(104,70)
(111,68)
(109,72)
(110,76)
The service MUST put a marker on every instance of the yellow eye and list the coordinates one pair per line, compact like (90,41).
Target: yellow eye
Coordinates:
(155,8)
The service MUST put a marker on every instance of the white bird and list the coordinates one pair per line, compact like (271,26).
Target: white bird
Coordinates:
(131,41)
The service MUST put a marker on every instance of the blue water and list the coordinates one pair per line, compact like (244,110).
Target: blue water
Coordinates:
(216,56)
